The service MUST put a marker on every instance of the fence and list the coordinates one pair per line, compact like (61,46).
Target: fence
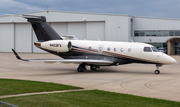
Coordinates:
(4,104)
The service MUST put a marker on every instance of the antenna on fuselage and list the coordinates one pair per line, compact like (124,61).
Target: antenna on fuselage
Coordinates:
(132,41)
(98,39)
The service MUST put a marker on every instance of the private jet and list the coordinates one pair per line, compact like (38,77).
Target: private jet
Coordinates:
(92,53)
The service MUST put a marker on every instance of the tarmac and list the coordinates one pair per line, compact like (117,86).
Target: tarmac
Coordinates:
(135,79)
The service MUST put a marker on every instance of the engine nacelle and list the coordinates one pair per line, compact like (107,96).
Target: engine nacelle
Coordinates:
(55,45)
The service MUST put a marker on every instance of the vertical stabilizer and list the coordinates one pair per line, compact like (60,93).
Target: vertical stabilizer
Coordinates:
(43,30)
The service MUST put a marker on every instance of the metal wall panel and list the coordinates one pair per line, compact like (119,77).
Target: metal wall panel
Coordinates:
(123,29)
(95,30)
(153,39)
(60,28)
(77,29)
(116,28)
(23,38)
(155,24)
(6,37)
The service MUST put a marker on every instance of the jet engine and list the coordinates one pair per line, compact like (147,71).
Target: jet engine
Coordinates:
(55,45)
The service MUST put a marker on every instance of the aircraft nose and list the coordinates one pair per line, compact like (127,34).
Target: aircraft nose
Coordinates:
(166,59)
(172,60)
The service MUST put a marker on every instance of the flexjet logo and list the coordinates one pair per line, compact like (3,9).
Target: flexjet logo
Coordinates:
(55,45)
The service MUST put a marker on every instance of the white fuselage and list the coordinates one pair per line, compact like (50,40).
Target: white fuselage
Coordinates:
(131,50)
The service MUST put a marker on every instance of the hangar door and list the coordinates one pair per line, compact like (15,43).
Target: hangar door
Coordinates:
(60,28)
(82,30)
(70,28)
(23,37)
(95,30)
(78,29)
(6,37)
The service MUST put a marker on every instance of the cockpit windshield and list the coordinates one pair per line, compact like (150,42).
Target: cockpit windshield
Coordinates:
(154,49)
(147,49)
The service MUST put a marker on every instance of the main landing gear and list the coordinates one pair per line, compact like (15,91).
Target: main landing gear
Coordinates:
(157,69)
(82,67)
(94,67)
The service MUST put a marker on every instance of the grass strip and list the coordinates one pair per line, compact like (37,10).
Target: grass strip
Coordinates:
(92,98)
(11,87)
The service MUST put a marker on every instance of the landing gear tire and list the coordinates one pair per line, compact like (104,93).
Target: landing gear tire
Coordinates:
(157,68)
(157,72)
(80,69)
(93,67)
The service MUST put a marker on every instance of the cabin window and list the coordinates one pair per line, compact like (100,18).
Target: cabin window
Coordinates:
(129,50)
(115,49)
(154,49)
(100,48)
(108,49)
(90,47)
(147,49)
(122,49)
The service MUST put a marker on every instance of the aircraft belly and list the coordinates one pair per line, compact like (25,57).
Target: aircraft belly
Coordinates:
(91,63)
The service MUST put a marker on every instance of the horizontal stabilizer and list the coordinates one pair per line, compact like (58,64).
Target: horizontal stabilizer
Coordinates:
(31,16)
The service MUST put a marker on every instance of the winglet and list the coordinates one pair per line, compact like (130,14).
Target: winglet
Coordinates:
(17,56)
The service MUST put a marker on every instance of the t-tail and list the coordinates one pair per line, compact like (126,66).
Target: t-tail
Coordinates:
(43,30)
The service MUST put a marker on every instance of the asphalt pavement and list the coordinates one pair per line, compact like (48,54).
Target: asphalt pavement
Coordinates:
(135,79)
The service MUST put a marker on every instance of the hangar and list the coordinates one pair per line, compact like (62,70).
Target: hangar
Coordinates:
(17,33)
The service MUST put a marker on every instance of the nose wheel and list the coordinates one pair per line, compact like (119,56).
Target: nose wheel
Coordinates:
(157,69)
(157,72)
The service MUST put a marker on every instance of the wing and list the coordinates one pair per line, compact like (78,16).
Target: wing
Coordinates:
(79,61)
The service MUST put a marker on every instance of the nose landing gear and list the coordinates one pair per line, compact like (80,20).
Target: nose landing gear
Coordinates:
(157,71)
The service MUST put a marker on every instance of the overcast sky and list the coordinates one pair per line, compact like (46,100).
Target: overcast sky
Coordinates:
(147,8)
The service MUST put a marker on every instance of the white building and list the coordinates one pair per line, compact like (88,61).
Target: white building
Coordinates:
(17,33)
